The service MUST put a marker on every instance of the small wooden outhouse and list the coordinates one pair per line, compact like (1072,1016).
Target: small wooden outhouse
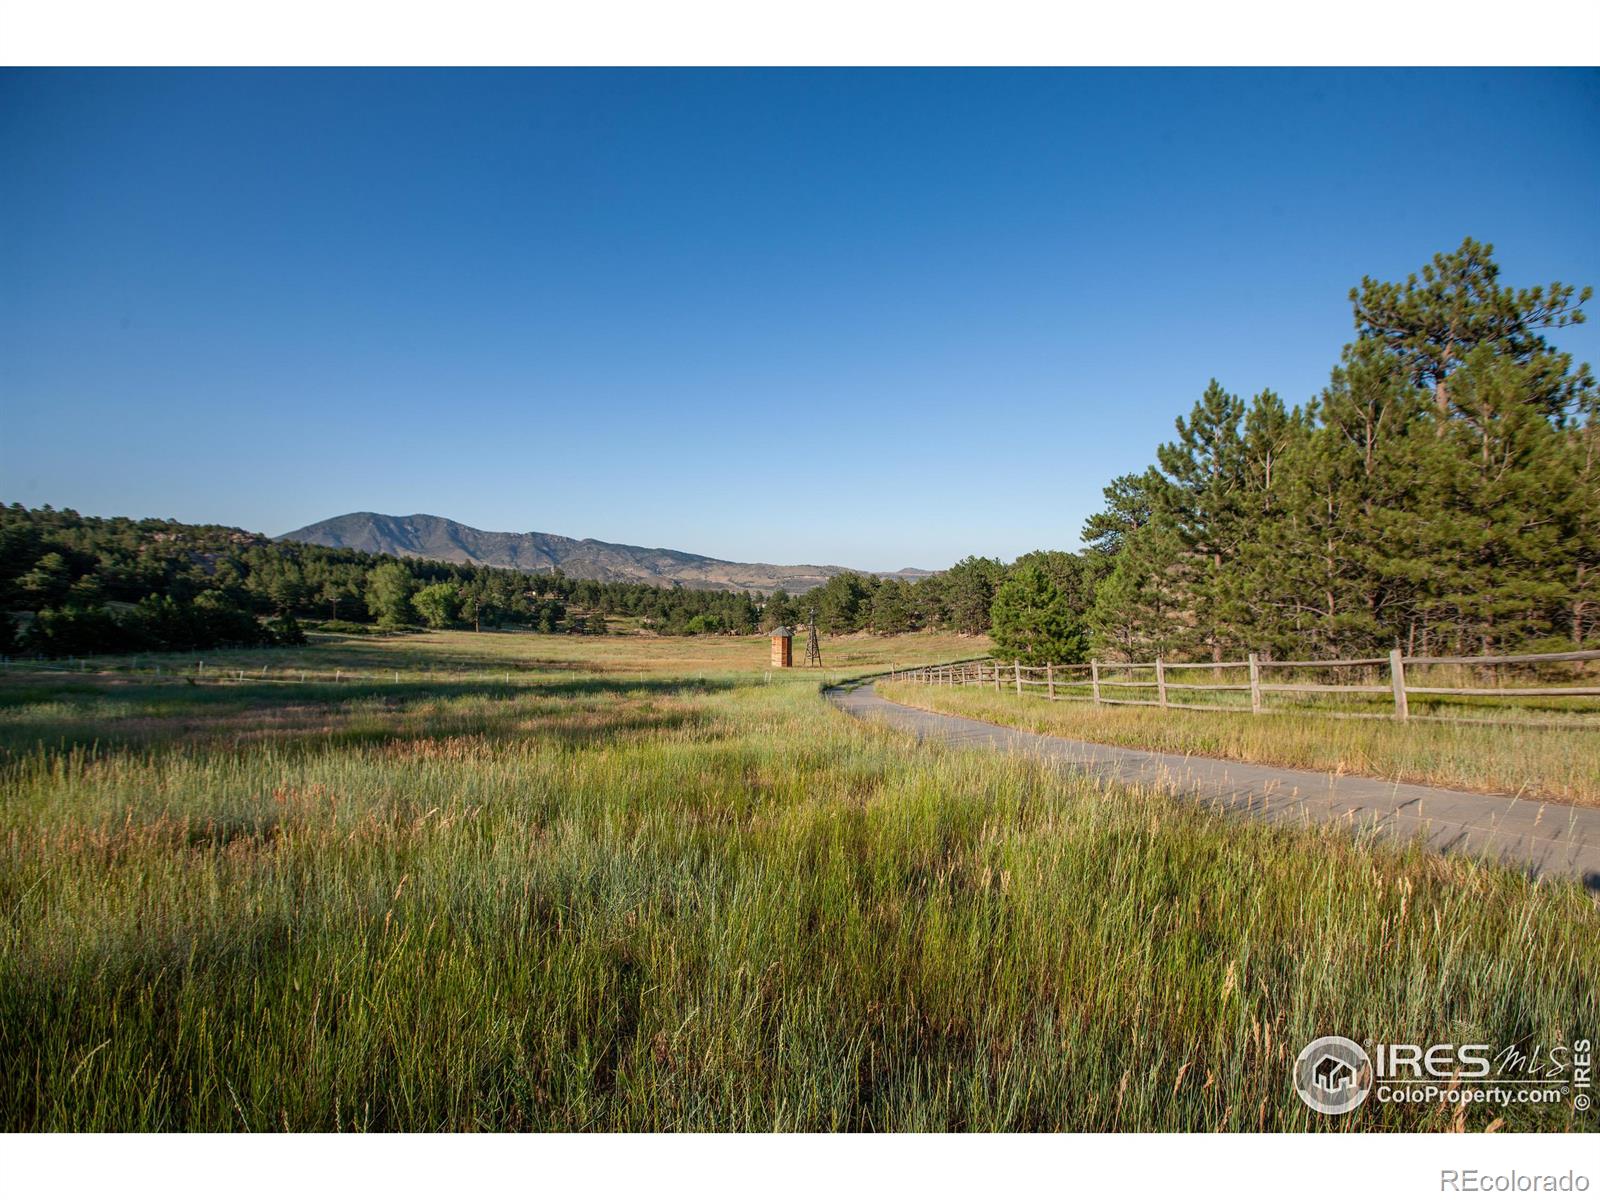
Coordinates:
(783,646)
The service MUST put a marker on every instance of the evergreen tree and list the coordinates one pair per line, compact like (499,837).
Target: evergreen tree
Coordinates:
(969,589)
(1130,506)
(1432,324)
(1582,539)
(286,631)
(891,608)
(844,602)
(47,582)
(779,610)
(1033,622)
(1203,499)
(1075,575)
(1499,511)
(1334,566)
(388,595)
(1137,613)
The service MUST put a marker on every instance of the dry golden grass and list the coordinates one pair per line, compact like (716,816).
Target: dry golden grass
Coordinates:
(1540,763)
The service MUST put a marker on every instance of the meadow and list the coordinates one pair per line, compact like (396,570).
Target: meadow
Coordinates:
(1535,762)
(512,882)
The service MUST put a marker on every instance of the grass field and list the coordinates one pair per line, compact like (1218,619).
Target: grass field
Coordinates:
(642,887)
(1539,763)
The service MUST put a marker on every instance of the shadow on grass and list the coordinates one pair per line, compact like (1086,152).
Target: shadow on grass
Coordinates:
(172,714)
(148,976)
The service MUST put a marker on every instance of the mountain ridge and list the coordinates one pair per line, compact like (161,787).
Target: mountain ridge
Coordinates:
(423,535)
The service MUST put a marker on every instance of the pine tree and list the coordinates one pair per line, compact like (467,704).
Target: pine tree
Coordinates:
(969,588)
(1130,503)
(1582,538)
(1137,613)
(844,602)
(1332,568)
(1204,501)
(1033,622)
(779,610)
(1500,507)
(1074,574)
(1432,324)
(891,607)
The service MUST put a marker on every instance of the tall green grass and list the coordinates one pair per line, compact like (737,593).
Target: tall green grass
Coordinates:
(694,903)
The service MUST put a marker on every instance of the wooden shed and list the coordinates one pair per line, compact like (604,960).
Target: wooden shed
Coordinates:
(783,646)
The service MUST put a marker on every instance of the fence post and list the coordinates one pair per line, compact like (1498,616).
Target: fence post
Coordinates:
(1161,681)
(997,674)
(1397,676)
(1255,685)
(1094,678)
(1050,679)
(1016,671)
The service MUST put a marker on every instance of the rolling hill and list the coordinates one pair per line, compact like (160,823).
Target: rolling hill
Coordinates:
(424,536)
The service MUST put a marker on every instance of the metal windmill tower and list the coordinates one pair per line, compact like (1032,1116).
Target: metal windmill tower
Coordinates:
(813,647)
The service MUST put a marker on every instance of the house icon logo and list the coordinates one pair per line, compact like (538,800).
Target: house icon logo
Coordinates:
(1333,1075)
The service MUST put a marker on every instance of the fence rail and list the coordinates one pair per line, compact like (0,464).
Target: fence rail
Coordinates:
(200,670)
(1097,682)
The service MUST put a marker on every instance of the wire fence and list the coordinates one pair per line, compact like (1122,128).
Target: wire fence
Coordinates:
(201,670)
(1565,686)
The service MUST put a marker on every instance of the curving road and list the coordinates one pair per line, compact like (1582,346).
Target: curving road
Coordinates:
(1543,838)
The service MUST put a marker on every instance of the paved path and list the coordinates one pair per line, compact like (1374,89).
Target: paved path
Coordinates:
(1543,838)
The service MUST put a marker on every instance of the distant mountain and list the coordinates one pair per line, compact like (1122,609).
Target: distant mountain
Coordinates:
(423,536)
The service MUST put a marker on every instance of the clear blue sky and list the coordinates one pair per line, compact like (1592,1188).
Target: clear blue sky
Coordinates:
(877,318)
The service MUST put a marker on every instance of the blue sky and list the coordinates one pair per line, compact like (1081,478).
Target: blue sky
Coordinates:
(872,318)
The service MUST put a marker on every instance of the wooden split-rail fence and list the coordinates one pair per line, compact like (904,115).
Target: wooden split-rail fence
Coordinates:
(1100,682)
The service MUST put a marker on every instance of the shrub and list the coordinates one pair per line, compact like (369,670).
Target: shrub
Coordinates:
(347,627)
(286,631)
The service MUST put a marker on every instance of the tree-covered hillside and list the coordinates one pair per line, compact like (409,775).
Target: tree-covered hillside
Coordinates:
(71,584)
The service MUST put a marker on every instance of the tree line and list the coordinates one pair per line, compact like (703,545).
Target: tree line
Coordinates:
(1441,494)
(71,584)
